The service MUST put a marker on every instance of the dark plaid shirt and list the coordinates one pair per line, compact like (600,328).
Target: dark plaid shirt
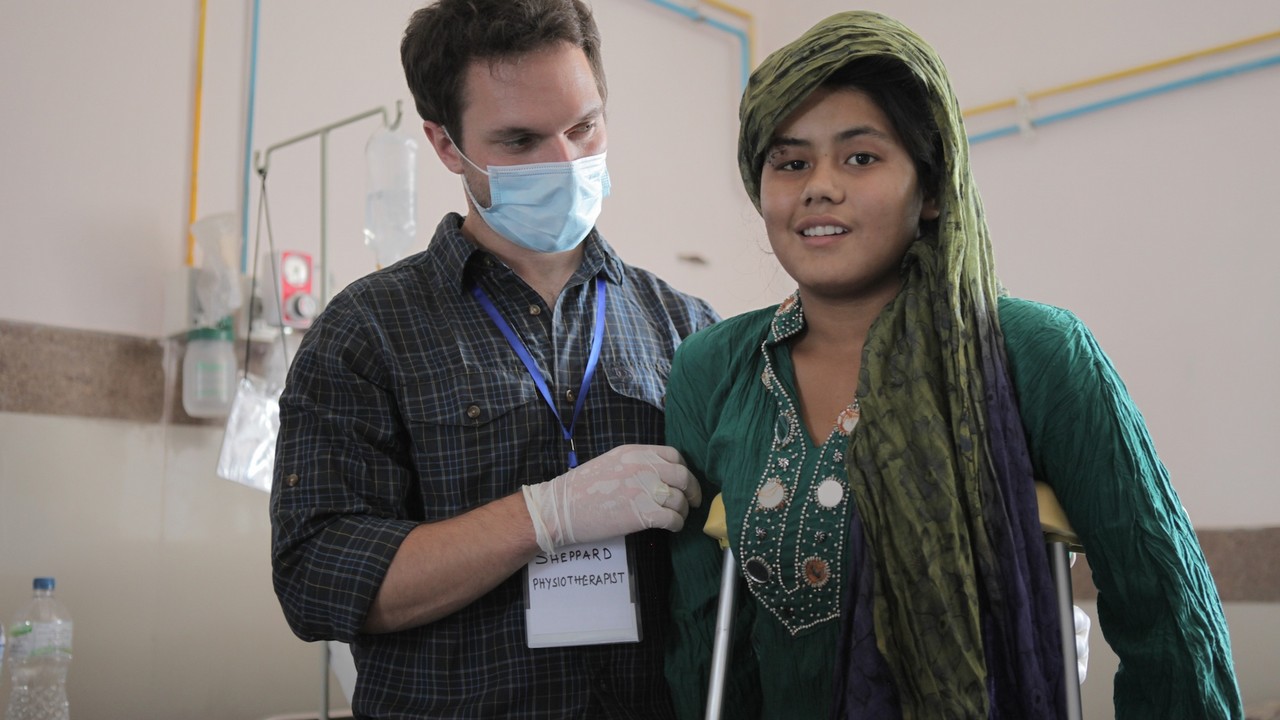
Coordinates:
(406,405)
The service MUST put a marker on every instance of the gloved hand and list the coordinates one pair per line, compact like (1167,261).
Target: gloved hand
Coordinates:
(628,489)
(1083,623)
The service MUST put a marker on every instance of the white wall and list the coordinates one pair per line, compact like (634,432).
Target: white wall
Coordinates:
(1151,221)
(163,566)
(1146,220)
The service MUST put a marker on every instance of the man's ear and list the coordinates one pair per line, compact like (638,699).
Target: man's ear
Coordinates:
(444,147)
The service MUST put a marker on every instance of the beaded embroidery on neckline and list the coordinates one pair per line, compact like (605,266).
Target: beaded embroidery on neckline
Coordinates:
(794,530)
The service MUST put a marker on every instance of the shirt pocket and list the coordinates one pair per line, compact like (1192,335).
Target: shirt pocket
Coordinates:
(643,381)
(467,432)
(471,399)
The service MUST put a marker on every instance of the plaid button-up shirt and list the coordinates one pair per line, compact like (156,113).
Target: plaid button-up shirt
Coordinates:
(404,405)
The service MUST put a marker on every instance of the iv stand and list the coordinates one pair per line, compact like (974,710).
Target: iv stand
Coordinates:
(262,158)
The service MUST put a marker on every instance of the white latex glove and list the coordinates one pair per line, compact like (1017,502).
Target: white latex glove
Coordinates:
(1083,623)
(628,489)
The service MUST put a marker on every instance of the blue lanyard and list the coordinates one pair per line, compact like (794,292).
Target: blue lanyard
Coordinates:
(597,336)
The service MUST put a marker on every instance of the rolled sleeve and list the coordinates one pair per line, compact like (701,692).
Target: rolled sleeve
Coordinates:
(341,479)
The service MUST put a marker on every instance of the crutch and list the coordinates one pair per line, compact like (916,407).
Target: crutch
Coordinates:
(1059,537)
(723,640)
(1062,541)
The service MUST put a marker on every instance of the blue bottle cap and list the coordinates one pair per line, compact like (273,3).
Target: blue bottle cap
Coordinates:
(45,583)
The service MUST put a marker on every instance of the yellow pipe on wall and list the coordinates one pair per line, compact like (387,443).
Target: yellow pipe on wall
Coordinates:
(1108,77)
(195,133)
(751,25)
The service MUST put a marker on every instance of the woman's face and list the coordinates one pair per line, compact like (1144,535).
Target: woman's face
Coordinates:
(840,197)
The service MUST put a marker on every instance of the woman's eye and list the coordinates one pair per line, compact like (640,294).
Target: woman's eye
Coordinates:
(861,159)
(789,165)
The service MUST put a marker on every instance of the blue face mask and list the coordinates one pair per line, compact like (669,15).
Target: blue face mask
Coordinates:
(544,207)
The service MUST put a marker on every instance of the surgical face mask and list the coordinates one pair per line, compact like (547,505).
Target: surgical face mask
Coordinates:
(544,207)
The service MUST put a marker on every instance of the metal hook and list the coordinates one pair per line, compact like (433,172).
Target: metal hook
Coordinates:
(394,124)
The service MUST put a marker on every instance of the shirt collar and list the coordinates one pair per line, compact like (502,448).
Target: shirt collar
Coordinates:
(788,320)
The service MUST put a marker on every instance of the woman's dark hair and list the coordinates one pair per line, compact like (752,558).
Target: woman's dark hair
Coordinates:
(900,95)
(444,38)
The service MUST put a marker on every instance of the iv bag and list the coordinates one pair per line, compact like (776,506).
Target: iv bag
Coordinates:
(217,286)
(390,225)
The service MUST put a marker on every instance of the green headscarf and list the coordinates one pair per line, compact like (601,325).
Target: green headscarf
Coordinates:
(938,464)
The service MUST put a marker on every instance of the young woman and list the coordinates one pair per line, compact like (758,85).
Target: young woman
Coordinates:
(876,436)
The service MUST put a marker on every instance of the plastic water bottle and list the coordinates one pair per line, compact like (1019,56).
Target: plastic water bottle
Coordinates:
(39,656)
(209,371)
(390,224)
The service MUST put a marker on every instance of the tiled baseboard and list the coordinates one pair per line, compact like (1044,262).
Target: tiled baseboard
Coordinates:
(56,371)
(1245,564)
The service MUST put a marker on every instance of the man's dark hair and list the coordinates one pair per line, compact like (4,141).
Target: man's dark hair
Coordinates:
(444,38)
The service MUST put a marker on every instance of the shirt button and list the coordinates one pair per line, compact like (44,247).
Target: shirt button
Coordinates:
(473,412)
(291,481)
(535,310)
(568,395)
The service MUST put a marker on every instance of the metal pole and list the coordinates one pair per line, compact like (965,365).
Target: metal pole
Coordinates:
(723,638)
(263,159)
(324,218)
(324,682)
(1066,626)
(266,155)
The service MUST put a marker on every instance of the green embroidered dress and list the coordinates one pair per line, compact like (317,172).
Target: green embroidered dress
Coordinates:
(731,413)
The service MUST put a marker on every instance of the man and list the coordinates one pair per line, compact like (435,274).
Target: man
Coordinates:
(437,432)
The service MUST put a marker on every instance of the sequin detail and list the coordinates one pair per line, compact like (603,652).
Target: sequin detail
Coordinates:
(771,495)
(815,572)
(797,519)
(830,492)
(757,569)
(848,418)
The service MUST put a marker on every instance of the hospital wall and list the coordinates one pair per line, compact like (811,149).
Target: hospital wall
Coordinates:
(1152,221)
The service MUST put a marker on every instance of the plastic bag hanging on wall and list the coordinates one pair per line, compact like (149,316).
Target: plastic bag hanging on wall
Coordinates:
(248,453)
(390,219)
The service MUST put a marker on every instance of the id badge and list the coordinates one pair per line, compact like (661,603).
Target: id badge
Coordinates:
(582,594)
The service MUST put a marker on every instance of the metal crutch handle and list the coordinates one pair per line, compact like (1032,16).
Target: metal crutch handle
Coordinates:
(717,528)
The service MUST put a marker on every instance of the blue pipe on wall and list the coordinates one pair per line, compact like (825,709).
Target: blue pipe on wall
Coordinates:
(743,40)
(746,72)
(740,34)
(1127,98)
(248,140)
